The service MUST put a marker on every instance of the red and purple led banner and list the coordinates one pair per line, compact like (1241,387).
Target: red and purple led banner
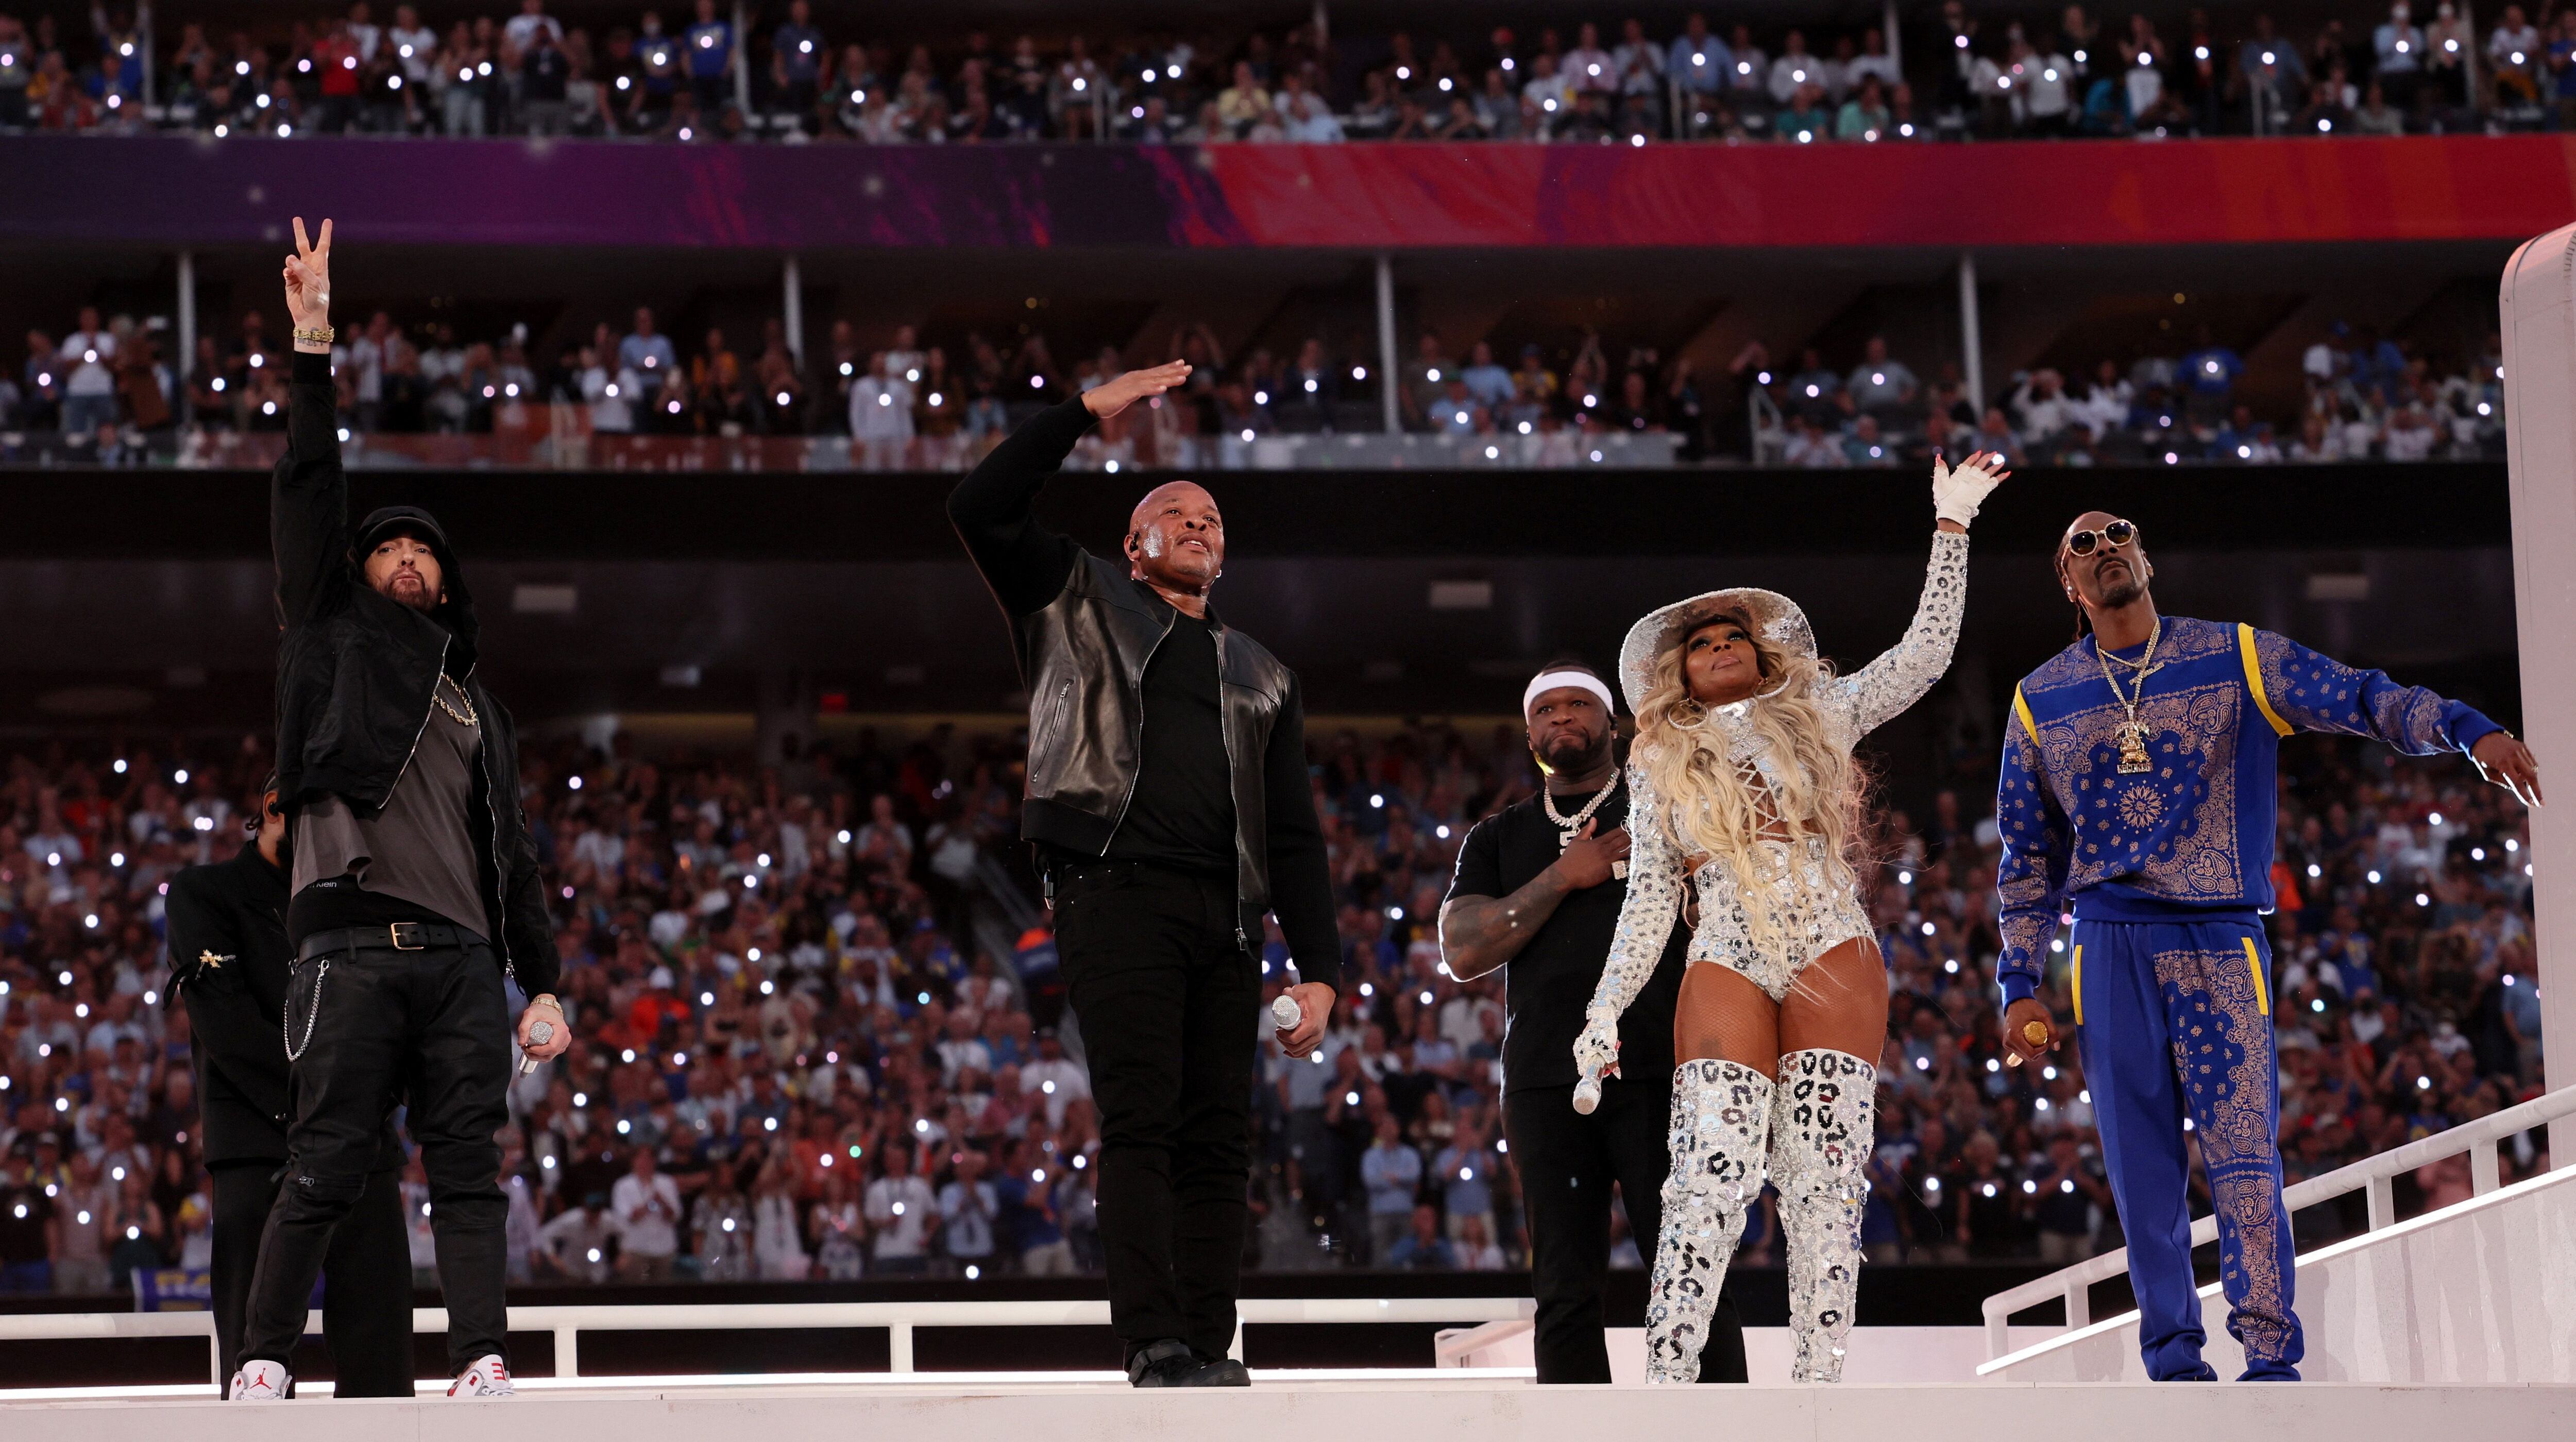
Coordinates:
(183,191)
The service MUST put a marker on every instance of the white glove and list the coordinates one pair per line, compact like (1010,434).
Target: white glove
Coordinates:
(1596,1051)
(1955,494)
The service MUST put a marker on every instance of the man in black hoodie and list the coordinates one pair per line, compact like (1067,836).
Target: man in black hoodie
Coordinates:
(415,887)
(229,963)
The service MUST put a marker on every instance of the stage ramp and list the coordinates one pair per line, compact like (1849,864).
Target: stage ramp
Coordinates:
(2479,1293)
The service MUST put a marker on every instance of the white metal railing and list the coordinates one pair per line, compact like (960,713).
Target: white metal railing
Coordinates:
(2373,1175)
(898,1319)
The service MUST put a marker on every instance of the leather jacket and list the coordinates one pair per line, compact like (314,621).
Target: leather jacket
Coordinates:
(1083,630)
(1084,656)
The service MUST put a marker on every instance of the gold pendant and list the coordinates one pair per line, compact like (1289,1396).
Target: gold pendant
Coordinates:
(2134,760)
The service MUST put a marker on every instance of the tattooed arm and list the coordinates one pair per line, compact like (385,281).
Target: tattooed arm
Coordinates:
(1478,933)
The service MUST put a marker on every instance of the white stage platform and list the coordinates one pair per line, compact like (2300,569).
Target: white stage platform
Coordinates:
(1344,1407)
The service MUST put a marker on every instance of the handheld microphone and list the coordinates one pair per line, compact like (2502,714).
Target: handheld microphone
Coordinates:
(538,1035)
(1587,1095)
(1285,1013)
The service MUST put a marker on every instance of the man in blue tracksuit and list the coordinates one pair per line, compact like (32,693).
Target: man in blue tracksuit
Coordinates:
(2138,793)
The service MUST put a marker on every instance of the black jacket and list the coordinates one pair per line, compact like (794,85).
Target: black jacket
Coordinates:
(355,672)
(229,960)
(1084,629)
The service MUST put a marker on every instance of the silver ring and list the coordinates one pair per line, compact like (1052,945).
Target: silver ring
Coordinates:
(1619,870)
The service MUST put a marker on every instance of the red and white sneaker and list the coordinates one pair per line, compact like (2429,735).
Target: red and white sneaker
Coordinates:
(261,1382)
(488,1377)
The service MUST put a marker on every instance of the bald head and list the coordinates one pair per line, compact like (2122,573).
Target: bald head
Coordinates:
(1176,540)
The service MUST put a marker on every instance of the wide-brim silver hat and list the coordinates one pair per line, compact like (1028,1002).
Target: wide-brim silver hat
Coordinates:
(1771,615)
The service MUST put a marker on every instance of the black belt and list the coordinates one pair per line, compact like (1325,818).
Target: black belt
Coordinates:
(399,936)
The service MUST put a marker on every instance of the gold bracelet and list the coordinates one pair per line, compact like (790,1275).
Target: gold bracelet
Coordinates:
(546,999)
(319,335)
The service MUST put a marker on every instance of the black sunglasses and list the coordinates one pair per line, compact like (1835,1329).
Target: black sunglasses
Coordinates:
(2114,535)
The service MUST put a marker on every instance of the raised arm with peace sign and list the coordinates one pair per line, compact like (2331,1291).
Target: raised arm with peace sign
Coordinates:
(308,289)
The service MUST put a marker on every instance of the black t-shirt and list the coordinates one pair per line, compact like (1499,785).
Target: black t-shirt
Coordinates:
(1548,985)
(1183,811)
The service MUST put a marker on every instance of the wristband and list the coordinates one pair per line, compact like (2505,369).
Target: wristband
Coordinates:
(318,335)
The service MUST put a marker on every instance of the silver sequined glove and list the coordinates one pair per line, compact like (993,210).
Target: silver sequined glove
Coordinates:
(1596,1055)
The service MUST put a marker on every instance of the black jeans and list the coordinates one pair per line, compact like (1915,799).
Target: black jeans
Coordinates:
(1167,997)
(369,1026)
(1567,1162)
(366,1278)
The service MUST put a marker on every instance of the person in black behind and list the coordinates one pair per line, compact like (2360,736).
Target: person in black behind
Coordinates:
(228,964)
(1538,890)
(416,893)
(1168,798)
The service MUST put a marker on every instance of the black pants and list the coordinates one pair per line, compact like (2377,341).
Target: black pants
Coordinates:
(1567,1162)
(432,1024)
(366,1278)
(1167,998)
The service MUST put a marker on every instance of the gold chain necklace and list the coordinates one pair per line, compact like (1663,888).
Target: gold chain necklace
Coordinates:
(467,717)
(2134,760)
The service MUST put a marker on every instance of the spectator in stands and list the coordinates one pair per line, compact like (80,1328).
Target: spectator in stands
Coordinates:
(1391,1172)
(649,354)
(2397,46)
(85,366)
(646,1205)
(545,73)
(1425,1247)
(2514,58)
(708,46)
(1865,116)
(2209,373)
(1699,60)
(1881,387)
(902,1212)
(968,1208)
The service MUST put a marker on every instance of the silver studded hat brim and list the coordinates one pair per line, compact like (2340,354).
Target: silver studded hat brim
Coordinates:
(1774,616)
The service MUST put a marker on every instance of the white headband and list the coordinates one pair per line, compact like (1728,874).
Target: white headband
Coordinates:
(1555,680)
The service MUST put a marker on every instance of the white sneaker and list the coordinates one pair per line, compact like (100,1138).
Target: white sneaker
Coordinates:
(261,1382)
(488,1377)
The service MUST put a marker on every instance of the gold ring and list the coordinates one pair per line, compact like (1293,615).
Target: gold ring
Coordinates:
(2035,1032)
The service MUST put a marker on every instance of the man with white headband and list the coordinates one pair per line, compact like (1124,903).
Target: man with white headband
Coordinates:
(1538,887)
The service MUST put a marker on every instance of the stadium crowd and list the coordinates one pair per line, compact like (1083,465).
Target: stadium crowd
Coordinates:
(683,72)
(107,389)
(797,1060)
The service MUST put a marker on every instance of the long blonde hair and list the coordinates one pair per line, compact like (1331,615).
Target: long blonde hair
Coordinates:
(1708,806)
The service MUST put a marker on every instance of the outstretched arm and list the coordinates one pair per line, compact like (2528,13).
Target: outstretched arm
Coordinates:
(2304,690)
(1899,677)
(1024,563)
(308,492)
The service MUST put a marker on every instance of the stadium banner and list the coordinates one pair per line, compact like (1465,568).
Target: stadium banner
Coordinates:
(198,191)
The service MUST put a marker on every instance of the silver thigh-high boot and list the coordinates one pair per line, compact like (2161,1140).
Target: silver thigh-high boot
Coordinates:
(1721,1112)
(1822,1130)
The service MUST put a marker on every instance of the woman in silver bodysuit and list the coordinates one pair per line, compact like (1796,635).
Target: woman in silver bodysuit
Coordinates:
(1744,787)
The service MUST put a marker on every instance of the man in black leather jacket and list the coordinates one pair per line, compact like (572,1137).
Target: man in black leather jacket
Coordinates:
(416,894)
(1168,796)
(228,962)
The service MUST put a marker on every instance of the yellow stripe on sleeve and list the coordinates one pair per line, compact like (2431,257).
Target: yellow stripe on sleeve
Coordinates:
(2254,678)
(2079,983)
(2021,708)
(2262,994)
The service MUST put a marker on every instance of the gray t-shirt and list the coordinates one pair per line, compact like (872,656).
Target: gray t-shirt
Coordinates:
(420,846)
